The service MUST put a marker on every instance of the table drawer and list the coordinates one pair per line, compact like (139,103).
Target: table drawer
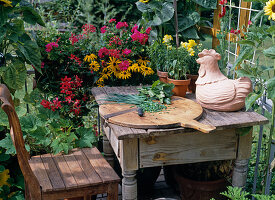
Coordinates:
(187,148)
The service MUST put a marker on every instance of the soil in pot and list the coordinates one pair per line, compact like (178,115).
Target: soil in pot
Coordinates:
(181,86)
(162,76)
(192,85)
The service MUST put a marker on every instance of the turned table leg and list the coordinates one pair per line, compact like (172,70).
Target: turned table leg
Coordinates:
(129,185)
(240,173)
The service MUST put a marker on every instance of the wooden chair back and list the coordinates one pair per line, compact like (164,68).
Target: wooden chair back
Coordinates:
(18,141)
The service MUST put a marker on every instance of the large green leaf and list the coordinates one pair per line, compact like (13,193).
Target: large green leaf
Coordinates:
(207,3)
(142,7)
(190,33)
(246,53)
(15,75)
(271,88)
(35,97)
(3,118)
(32,53)
(29,122)
(270,52)
(7,144)
(3,15)
(156,21)
(86,137)
(167,12)
(188,20)
(251,99)
(31,16)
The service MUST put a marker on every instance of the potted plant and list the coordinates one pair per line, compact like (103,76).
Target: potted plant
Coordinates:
(193,67)
(200,181)
(157,53)
(177,68)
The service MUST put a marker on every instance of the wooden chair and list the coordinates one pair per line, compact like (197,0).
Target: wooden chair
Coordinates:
(82,173)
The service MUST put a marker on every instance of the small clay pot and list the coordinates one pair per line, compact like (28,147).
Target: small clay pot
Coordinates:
(192,86)
(162,76)
(181,86)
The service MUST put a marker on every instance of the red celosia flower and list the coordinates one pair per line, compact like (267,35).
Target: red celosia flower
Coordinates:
(103,52)
(148,30)
(126,51)
(124,65)
(222,14)
(112,20)
(103,29)
(121,24)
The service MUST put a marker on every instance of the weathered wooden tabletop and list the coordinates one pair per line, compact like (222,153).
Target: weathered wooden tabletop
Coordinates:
(221,120)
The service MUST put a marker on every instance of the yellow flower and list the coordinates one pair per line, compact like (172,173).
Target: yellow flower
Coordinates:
(184,44)
(191,51)
(100,85)
(4,177)
(146,70)
(167,38)
(144,1)
(134,68)
(7,3)
(100,80)
(169,47)
(90,58)
(124,74)
(142,61)
(105,75)
(94,66)
(191,43)
(269,9)
(114,62)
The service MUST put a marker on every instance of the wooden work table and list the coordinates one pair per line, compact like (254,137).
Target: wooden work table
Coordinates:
(140,148)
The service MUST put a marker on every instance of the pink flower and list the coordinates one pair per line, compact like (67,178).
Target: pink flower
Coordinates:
(222,2)
(236,32)
(121,24)
(124,65)
(140,37)
(50,46)
(135,28)
(148,30)
(249,22)
(126,51)
(103,52)
(42,65)
(74,39)
(103,29)
(112,20)
(88,28)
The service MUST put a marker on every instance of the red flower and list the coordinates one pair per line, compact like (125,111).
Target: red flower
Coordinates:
(74,39)
(88,28)
(222,2)
(46,104)
(126,51)
(42,65)
(76,59)
(148,30)
(103,29)
(124,65)
(121,24)
(249,22)
(140,37)
(112,20)
(222,14)
(50,46)
(103,52)
(236,32)
(135,28)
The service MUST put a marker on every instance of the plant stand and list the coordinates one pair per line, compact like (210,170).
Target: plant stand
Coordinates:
(141,148)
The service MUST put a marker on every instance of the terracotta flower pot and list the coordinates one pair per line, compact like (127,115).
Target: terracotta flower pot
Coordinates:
(181,86)
(200,190)
(192,86)
(162,76)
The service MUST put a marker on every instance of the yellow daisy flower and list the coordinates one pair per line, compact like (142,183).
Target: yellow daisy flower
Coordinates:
(105,70)
(4,177)
(191,43)
(184,44)
(146,70)
(144,1)
(269,9)
(114,62)
(142,61)
(94,66)
(125,74)
(105,75)
(90,58)
(134,68)
(6,3)
(100,85)
(167,38)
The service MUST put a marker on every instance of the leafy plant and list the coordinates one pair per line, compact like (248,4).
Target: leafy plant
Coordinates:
(16,45)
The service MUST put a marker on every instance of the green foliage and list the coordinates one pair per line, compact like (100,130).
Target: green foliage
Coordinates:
(16,44)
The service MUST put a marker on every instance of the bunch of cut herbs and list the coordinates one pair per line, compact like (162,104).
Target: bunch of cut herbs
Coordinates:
(149,99)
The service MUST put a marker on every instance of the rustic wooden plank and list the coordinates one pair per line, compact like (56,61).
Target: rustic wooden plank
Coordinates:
(76,170)
(87,168)
(99,94)
(64,171)
(244,146)
(101,166)
(129,154)
(53,173)
(112,139)
(188,148)
(39,171)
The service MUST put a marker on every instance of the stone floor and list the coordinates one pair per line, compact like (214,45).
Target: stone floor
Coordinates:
(161,191)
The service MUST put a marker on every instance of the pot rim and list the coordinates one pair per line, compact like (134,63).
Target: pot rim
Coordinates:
(179,82)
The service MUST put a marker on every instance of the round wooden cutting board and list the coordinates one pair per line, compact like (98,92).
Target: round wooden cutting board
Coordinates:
(182,112)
